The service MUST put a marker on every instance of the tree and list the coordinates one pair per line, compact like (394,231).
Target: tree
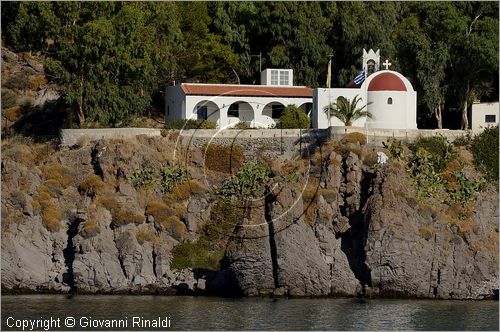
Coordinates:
(294,117)
(476,51)
(107,66)
(346,110)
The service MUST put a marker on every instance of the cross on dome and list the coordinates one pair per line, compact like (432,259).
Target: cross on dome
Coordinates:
(386,64)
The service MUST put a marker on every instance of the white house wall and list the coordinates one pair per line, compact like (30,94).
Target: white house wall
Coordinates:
(479,112)
(174,107)
(323,96)
(254,104)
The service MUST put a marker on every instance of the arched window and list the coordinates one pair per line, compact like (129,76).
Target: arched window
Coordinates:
(389,101)
(371,67)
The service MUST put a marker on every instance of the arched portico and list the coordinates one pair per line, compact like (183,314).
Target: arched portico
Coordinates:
(207,110)
(307,108)
(241,111)
(273,110)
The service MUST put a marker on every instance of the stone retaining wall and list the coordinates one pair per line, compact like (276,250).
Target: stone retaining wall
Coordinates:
(71,137)
(274,137)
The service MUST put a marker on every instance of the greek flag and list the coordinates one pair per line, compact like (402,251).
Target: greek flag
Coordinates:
(360,78)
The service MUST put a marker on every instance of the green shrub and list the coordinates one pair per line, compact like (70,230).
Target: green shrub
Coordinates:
(191,124)
(223,158)
(395,147)
(172,176)
(143,178)
(294,117)
(198,255)
(423,171)
(241,125)
(438,147)
(485,151)
(247,182)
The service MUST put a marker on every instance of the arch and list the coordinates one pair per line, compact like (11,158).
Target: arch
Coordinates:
(241,111)
(273,110)
(307,108)
(206,110)
(389,101)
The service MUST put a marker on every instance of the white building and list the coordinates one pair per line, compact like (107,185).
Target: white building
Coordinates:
(484,115)
(227,104)
(390,97)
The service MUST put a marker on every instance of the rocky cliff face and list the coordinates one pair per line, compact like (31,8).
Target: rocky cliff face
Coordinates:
(73,221)
(368,236)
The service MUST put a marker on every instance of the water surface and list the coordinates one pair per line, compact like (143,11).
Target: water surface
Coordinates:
(210,313)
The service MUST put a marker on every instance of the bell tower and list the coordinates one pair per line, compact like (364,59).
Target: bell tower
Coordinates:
(371,61)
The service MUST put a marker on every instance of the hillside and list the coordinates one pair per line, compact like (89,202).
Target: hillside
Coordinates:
(120,216)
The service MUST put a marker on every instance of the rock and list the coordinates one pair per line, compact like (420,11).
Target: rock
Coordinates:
(47,94)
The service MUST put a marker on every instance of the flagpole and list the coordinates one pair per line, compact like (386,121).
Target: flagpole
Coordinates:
(329,82)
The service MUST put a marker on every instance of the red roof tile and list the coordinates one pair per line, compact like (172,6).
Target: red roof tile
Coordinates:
(245,90)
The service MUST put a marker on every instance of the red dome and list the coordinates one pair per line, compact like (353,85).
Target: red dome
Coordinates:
(386,82)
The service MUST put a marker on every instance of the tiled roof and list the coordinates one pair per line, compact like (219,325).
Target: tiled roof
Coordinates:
(386,82)
(245,90)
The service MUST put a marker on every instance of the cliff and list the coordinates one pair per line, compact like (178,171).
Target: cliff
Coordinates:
(96,218)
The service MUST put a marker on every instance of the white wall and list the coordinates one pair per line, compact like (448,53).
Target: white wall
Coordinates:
(174,106)
(398,115)
(323,96)
(479,112)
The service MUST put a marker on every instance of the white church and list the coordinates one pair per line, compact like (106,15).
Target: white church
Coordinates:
(389,96)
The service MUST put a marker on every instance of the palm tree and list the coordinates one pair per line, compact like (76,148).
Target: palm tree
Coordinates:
(346,110)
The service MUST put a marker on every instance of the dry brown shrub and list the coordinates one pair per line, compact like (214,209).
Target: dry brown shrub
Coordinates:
(155,208)
(91,185)
(51,217)
(58,172)
(12,114)
(370,158)
(146,235)
(174,226)
(20,153)
(329,195)
(183,191)
(426,232)
(124,217)
(37,81)
(354,138)
(223,158)
(90,228)
(109,202)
